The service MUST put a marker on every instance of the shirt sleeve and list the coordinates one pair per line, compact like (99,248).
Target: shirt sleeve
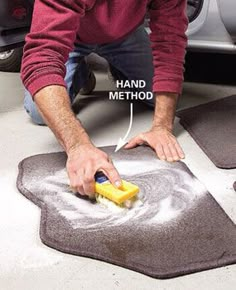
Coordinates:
(168,24)
(51,38)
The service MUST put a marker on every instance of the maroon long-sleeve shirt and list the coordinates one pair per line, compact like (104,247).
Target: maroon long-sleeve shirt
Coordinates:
(58,24)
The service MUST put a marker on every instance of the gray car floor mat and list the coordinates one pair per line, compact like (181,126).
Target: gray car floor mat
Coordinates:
(213,127)
(175,228)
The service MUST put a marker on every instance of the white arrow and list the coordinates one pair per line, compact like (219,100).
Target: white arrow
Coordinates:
(122,141)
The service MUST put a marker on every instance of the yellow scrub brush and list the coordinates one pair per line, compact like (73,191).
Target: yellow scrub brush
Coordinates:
(122,196)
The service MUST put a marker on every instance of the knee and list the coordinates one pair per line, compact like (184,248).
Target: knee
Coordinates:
(32,110)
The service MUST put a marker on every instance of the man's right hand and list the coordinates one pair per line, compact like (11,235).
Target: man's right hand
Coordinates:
(84,159)
(83,162)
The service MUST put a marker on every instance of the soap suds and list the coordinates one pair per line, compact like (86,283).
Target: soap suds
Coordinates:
(165,193)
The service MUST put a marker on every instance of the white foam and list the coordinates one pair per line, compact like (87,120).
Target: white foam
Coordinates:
(178,189)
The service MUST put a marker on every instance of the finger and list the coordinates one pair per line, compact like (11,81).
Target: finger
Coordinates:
(89,182)
(159,151)
(112,174)
(80,188)
(77,186)
(79,182)
(179,150)
(174,152)
(167,152)
(72,178)
(134,142)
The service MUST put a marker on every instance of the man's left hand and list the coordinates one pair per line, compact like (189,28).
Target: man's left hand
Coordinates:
(162,141)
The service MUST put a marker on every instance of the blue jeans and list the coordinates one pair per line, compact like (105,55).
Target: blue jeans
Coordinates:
(129,59)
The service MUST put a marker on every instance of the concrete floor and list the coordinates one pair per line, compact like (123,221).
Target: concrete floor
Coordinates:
(25,263)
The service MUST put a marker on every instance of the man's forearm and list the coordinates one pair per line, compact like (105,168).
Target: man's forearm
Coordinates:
(54,105)
(165,110)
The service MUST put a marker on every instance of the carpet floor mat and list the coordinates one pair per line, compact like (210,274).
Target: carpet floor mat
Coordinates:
(213,127)
(174,228)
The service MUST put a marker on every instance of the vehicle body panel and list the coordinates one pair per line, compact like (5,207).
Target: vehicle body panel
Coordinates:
(228,15)
(210,32)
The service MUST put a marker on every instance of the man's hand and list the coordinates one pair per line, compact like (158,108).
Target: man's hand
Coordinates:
(160,137)
(162,141)
(84,159)
(82,164)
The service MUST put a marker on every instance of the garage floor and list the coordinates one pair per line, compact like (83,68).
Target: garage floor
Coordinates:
(25,263)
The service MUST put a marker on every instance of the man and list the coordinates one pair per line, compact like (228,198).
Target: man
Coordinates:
(114,30)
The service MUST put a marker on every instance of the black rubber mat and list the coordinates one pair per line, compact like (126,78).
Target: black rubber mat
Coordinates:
(213,127)
(175,228)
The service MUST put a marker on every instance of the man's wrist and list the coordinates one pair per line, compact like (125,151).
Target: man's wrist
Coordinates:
(164,110)
(161,126)
(76,138)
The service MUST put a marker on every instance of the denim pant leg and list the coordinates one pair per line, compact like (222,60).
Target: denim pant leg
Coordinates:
(32,110)
(76,75)
(132,58)
(77,71)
